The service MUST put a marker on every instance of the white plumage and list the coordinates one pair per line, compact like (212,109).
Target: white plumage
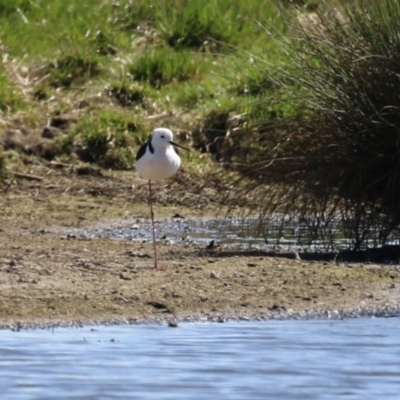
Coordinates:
(157,159)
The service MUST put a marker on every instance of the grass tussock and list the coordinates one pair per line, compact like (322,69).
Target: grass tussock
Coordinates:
(107,139)
(162,67)
(70,69)
(127,94)
(199,27)
(323,146)
(11,99)
(12,7)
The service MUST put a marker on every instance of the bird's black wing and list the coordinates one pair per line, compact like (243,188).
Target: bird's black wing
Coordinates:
(141,151)
(151,148)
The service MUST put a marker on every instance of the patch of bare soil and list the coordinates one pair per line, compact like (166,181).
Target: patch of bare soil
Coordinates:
(48,279)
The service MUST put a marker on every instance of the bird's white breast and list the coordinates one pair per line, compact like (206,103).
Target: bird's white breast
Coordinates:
(161,164)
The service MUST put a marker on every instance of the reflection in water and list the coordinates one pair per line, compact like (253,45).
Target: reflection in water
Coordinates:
(309,359)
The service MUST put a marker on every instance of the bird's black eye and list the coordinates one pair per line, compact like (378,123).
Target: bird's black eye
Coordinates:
(162,136)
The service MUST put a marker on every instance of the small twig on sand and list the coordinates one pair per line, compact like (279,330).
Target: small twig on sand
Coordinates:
(27,176)
(59,164)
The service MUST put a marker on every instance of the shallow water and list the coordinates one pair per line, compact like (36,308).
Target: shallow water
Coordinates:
(235,232)
(305,359)
(270,234)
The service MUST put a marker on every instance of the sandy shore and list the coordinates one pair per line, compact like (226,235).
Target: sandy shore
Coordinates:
(49,278)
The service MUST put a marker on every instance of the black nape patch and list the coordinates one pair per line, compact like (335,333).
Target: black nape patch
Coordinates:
(142,150)
(151,148)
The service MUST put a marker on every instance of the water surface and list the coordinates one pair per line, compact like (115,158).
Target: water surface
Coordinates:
(306,359)
(270,234)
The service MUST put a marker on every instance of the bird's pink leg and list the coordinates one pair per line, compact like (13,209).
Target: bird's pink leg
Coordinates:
(156,266)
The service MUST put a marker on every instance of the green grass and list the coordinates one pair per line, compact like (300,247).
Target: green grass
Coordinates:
(163,66)
(11,99)
(171,63)
(105,138)
(200,26)
(9,8)
(71,69)
(127,94)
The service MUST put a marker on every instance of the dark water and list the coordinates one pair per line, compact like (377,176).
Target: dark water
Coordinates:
(307,359)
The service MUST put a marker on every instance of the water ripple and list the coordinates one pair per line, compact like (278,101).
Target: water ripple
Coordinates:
(310,359)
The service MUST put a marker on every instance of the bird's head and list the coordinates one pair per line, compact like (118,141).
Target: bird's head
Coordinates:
(162,137)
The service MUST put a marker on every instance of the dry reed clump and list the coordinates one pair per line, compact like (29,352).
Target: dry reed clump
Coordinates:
(335,157)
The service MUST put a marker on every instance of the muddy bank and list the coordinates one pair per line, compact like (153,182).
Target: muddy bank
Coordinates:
(48,278)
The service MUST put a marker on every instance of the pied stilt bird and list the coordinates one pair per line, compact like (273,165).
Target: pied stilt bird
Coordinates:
(157,159)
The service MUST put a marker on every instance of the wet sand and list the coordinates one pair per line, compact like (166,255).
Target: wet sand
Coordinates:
(50,278)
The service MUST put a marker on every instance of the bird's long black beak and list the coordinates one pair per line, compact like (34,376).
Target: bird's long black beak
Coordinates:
(178,145)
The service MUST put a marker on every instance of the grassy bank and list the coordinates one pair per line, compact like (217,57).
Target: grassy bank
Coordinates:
(102,74)
(297,100)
